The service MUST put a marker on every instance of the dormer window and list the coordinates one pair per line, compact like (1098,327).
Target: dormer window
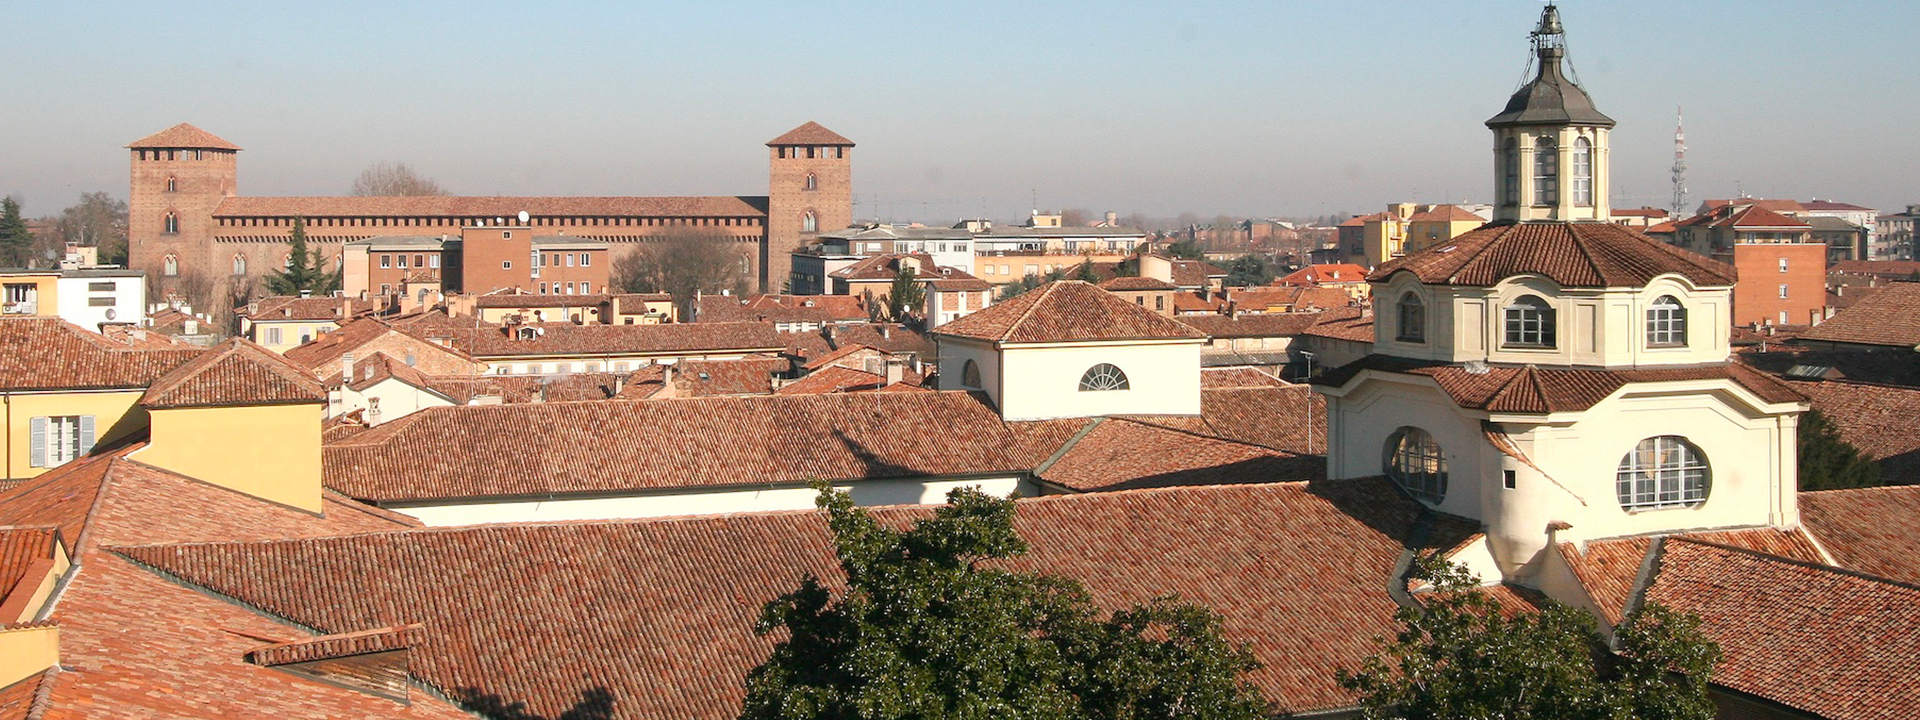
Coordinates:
(1412,325)
(1103,377)
(1666,323)
(1546,171)
(1530,323)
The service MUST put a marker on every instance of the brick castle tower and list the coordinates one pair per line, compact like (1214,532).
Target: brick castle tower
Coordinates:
(180,175)
(810,190)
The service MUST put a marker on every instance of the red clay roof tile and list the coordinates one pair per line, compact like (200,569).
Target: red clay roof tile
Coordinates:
(1586,255)
(1066,311)
(183,136)
(235,372)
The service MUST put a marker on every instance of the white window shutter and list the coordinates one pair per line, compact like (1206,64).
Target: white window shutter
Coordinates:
(86,436)
(37,442)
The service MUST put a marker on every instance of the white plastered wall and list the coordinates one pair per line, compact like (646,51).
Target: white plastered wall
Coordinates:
(698,502)
(1041,381)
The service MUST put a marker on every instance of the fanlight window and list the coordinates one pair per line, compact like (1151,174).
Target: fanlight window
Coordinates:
(1662,472)
(1666,323)
(970,375)
(1530,323)
(1412,326)
(1103,377)
(1416,463)
(1546,171)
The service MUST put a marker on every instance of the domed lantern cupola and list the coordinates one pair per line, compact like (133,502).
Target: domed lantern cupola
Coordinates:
(1550,143)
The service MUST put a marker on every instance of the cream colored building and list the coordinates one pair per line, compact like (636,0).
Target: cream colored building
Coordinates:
(1560,378)
(1070,349)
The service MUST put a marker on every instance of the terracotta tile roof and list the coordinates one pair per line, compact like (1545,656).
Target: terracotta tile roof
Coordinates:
(491,206)
(495,341)
(636,303)
(1644,212)
(1586,255)
(1781,205)
(752,375)
(1292,418)
(1531,389)
(495,596)
(235,372)
(1877,419)
(1195,273)
(1831,205)
(323,353)
(810,133)
(1265,325)
(1350,325)
(951,283)
(1066,311)
(1121,454)
(1237,377)
(280,307)
(837,379)
(21,549)
(1745,217)
(1445,213)
(183,136)
(1878,268)
(47,353)
(1135,283)
(807,345)
(1271,298)
(25,700)
(361,642)
(892,337)
(1868,530)
(780,309)
(836,355)
(1608,569)
(1186,303)
(1324,273)
(1875,367)
(1890,316)
(695,442)
(885,267)
(518,300)
(1824,641)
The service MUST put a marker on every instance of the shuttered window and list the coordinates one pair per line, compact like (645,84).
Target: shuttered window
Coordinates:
(56,440)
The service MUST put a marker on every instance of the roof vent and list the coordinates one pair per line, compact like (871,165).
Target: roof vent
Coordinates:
(1476,367)
(1448,249)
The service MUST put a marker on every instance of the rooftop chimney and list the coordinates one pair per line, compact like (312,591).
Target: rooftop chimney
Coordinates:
(896,370)
(346,368)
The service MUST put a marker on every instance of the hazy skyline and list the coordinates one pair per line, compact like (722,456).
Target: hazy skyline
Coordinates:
(1225,108)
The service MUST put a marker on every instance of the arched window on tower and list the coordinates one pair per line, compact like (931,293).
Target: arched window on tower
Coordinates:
(970,374)
(1661,472)
(171,224)
(1412,326)
(1666,323)
(813,182)
(1583,172)
(1546,171)
(239,264)
(1530,323)
(1416,463)
(1512,161)
(170,266)
(809,222)
(172,184)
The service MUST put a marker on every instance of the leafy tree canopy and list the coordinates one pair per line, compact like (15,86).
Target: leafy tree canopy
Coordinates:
(1248,271)
(1828,462)
(1188,249)
(927,628)
(1460,657)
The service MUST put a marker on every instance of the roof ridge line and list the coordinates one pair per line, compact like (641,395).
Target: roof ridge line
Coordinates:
(1580,243)
(1453,278)
(1024,314)
(1835,569)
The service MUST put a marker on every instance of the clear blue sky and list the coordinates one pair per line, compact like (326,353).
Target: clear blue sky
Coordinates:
(1253,108)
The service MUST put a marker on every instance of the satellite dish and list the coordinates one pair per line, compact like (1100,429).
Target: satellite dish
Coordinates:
(524,217)
(111,313)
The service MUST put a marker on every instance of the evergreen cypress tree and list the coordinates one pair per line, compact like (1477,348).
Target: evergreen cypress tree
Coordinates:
(305,272)
(1828,462)
(16,242)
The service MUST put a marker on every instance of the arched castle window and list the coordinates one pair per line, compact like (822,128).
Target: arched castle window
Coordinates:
(1530,323)
(1582,172)
(1666,323)
(1104,376)
(171,224)
(1546,171)
(1512,161)
(1662,472)
(1417,464)
(170,266)
(172,185)
(239,264)
(813,182)
(809,222)
(970,374)
(1412,325)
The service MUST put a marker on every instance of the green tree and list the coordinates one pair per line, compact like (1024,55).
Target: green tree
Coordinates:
(1459,656)
(1248,271)
(16,242)
(100,221)
(1085,273)
(1828,462)
(906,294)
(1188,249)
(930,628)
(305,272)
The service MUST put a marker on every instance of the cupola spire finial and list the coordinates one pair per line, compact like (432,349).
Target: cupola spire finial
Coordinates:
(1549,38)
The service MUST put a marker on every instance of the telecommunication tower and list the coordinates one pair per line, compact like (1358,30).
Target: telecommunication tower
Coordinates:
(1679,164)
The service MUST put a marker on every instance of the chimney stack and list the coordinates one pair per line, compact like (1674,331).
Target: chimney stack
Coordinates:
(346,368)
(896,370)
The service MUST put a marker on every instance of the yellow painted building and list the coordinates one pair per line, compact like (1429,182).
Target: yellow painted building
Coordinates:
(30,293)
(77,389)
